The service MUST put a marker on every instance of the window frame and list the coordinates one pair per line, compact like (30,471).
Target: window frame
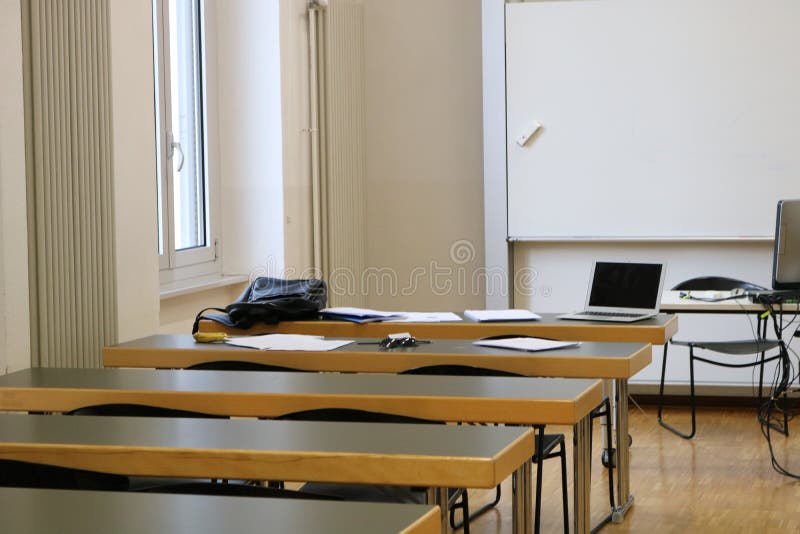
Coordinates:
(176,265)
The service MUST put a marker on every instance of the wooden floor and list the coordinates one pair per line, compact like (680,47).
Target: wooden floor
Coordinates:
(720,481)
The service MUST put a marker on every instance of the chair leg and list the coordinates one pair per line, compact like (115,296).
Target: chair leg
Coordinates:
(564,492)
(691,395)
(611,463)
(661,385)
(467,516)
(538,509)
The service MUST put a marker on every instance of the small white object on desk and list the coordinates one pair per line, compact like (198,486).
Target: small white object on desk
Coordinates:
(501,315)
(296,342)
(528,344)
(425,317)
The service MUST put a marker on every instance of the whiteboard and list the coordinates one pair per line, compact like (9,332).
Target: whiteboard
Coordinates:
(659,118)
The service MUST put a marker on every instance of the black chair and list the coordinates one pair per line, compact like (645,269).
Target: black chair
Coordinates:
(457,497)
(236,365)
(545,445)
(20,474)
(758,346)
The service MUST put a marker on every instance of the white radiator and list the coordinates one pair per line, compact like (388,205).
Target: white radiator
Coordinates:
(338,150)
(69,167)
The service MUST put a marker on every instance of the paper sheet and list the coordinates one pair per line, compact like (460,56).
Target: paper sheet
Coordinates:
(425,317)
(501,315)
(294,342)
(528,344)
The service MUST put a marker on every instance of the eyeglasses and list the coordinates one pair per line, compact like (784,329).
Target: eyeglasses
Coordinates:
(395,342)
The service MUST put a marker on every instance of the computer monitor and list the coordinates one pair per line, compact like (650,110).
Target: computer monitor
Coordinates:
(786,255)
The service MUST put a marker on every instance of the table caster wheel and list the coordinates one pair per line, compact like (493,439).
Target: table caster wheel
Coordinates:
(609,455)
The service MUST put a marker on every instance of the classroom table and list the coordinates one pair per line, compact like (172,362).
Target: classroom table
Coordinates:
(35,511)
(615,361)
(657,330)
(523,401)
(673,302)
(433,456)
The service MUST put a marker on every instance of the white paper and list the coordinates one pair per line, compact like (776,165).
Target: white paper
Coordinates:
(358,312)
(529,344)
(294,342)
(501,315)
(425,317)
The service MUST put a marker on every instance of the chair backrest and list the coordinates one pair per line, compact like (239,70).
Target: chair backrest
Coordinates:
(235,365)
(456,370)
(138,410)
(20,474)
(715,283)
(351,415)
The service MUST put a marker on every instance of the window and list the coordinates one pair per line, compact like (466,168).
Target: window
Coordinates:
(187,243)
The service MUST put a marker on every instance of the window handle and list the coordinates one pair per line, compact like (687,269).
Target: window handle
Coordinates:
(175,145)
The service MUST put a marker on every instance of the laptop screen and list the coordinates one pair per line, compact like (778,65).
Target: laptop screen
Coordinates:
(786,256)
(626,285)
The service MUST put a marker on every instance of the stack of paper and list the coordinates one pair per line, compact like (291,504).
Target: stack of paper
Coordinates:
(358,315)
(501,315)
(425,317)
(529,344)
(294,342)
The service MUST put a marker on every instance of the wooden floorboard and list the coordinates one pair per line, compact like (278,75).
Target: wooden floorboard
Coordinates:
(720,481)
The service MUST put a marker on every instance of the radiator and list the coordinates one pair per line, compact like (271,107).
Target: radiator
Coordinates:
(338,148)
(69,175)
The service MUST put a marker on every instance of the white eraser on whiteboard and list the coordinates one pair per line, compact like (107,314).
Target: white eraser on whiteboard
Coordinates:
(528,133)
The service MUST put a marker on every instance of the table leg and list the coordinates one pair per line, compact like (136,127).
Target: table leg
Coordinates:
(624,497)
(438,496)
(581,463)
(521,510)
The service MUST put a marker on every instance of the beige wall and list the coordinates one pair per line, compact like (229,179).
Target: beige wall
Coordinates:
(134,168)
(298,244)
(14,320)
(424,161)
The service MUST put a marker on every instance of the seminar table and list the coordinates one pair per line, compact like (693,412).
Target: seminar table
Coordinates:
(434,456)
(37,511)
(616,361)
(504,400)
(657,330)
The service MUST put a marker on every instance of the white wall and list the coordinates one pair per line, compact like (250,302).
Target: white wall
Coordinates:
(250,141)
(14,318)
(298,245)
(134,168)
(424,163)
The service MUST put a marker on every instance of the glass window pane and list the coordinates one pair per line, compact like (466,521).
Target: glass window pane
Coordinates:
(189,187)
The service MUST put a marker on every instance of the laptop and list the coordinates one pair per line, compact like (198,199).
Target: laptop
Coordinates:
(622,292)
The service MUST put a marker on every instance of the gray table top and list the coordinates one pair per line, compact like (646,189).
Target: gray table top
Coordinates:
(27,511)
(430,455)
(424,440)
(587,360)
(268,394)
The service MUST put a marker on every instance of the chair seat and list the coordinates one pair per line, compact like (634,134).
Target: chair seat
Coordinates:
(549,442)
(747,346)
(366,492)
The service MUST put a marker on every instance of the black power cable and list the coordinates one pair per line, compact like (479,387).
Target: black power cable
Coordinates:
(771,414)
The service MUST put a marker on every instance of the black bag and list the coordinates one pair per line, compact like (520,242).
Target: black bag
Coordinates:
(269,300)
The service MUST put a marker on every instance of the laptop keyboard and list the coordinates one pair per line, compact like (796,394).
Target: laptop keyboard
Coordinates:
(611,314)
